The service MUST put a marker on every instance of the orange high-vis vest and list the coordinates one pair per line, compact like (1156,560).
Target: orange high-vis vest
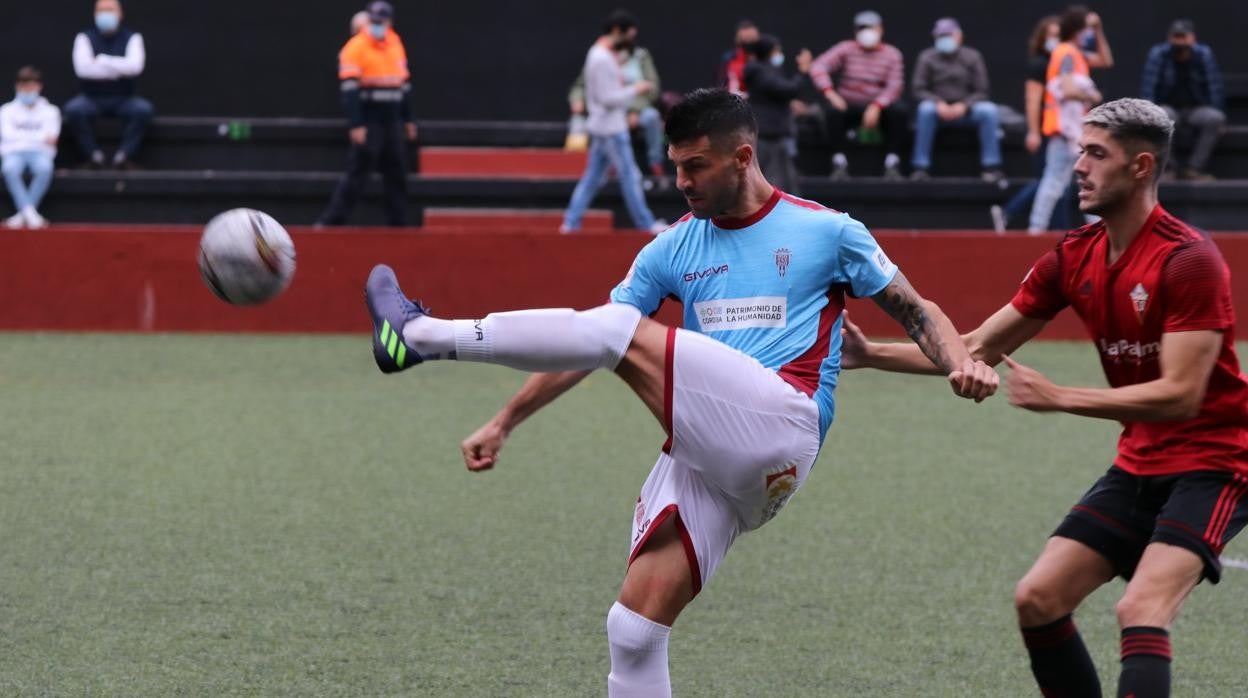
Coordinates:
(374,63)
(1050,124)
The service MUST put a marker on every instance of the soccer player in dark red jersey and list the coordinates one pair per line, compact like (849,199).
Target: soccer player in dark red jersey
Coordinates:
(1155,297)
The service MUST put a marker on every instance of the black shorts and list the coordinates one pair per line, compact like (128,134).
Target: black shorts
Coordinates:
(1122,513)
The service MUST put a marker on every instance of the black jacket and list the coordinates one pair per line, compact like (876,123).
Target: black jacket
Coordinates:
(770,93)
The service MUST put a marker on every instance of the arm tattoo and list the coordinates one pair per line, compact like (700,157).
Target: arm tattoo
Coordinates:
(903,304)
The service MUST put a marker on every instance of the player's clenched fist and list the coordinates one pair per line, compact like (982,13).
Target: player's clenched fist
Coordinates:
(481,449)
(975,380)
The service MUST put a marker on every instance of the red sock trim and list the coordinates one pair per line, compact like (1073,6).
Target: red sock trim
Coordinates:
(1051,635)
(1145,641)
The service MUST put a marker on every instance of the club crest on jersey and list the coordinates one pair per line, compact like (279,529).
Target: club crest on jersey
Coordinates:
(1139,298)
(782,260)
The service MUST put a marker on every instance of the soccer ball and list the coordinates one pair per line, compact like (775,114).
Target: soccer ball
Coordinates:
(246,257)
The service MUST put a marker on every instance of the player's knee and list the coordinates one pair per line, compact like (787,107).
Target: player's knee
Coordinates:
(614,324)
(1037,604)
(1136,608)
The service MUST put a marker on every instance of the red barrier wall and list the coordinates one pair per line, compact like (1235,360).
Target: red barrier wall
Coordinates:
(145,278)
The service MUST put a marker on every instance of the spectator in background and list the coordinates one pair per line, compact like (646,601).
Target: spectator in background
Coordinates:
(636,65)
(108,59)
(376,95)
(29,129)
(950,84)
(732,64)
(1092,40)
(606,100)
(866,93)
(1182,76)
(1065,100)
(771,95)
(1044,38)
(359,20)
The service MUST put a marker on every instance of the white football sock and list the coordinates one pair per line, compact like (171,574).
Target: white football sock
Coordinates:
(556,339)
(431,337)
(638,656)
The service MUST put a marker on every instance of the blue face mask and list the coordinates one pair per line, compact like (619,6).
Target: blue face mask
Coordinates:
(107,21)
(946,44)
(777,59)
(28,97)
(377,30)
(1051,43)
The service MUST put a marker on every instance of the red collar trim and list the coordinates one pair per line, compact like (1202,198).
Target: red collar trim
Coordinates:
(760,214)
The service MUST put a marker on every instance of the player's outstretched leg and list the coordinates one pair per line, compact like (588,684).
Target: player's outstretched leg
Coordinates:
(557,339)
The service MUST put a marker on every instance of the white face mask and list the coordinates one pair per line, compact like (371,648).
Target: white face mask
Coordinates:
(1051,43)
(868,38)
(777,59)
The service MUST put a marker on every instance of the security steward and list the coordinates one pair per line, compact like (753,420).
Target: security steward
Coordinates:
(376,94)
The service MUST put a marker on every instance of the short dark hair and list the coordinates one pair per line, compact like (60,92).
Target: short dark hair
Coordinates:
(1073,21)
(29,74)
(746,24)
(619,19)
(722,116)
(763,48)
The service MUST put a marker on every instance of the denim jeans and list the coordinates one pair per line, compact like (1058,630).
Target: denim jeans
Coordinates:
(15,166)
(135,114)
(606,152)
(1059,166)
(651,125)
(982,115)
(1021,202)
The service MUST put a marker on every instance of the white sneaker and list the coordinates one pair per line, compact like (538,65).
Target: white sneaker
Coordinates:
(565,230)
(15,222)
(658,226)
(33,219)
(998,218)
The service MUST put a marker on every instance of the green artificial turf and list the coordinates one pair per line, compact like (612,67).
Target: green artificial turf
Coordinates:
(243,515)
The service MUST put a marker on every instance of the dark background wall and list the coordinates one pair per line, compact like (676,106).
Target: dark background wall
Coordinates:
(512,60)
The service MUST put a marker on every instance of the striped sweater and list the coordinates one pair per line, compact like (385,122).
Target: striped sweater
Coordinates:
(866,76)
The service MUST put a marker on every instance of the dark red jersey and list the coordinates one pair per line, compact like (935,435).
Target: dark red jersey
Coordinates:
(1171,278)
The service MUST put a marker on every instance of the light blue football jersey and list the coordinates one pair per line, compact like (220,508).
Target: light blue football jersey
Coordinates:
(771,286)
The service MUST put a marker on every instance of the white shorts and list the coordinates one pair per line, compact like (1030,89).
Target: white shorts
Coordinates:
(741,441)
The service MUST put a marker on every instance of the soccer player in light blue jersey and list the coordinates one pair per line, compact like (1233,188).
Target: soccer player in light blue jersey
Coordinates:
(745,393)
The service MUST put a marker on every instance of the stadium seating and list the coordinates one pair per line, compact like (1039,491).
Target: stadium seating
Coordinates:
(515,173)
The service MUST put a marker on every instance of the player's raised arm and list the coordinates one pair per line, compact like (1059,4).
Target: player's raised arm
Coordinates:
(937,339)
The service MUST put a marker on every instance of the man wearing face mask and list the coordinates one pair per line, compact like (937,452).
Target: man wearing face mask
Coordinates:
(951,85)
(732,64)
(771,93)
(607,98)
(866,93)
(29,129)
(376,95)
(1182,76)
(108,59)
